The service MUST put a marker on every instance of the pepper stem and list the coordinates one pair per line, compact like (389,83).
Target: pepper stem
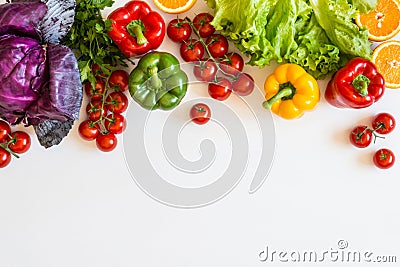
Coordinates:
(281,94)
(361,83)
(155,81)
(136,29)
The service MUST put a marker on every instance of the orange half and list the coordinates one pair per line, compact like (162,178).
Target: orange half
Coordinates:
(383,22)
(386,58)
(174,6)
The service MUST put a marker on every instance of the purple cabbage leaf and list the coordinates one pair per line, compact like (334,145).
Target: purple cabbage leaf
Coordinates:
(40,79)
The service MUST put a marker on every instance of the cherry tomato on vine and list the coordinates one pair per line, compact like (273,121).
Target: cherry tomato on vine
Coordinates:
(5,130)
(361,136)
(106,142)
(200,113)
(205,70)
(191,50)
(221,89)
(5,157)
(119,80)
(243,85)
(384,158)
(383,123)
(202,23)
(20,142)
(95,110)
(232,63)
(117,102)
(88,130)
(115,123)
(178,30)
(217,45)
(97,92)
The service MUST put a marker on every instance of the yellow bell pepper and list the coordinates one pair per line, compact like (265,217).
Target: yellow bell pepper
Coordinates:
(290,90)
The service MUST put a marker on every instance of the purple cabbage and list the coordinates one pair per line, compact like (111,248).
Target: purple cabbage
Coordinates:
(40,79)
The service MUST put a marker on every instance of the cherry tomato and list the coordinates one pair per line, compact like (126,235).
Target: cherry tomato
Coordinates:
(87,130)
(361,136)
(5,157)
(243,85)
(383,123)
(106,142)
(217,45)
(97,71)
(200,113)
(117,102)
(202,23)
(115,123)
(94,110)
(384,158)
(5,131)
(178,30)
(97,92)
(220,90)
(119,80)
(191,50)
(205,70)
(232,63)
(20,142)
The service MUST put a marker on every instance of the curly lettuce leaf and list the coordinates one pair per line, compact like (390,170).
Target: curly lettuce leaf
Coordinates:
(364,6)
(318,35)
(243,22)
(336,18)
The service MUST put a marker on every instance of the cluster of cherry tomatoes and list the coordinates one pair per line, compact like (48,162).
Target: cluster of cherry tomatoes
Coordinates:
(208,50)
(107,102)
(12,143)
(362,136)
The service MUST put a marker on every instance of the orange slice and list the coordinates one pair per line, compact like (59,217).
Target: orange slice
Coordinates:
(386,58)
(383,22)
(174,6)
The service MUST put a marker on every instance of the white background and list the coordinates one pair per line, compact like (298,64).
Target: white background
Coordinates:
(72,205)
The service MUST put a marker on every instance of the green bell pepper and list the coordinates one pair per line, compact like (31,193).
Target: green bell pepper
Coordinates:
(158,81)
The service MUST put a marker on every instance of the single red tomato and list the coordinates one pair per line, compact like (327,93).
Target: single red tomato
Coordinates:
(5,131)
(383,123)
(115,123)
(106,142)
(5,157)
(88,130)
(191,50)
(20,142)
(232,63)
(205,70)
(178,30)
(361,136)
(221,89)
(384,158)
(200,113)
(117,102)
(95,110)
(119,80)
(97,71)
(97,92)
(243,85)
(202,23)
(217,45)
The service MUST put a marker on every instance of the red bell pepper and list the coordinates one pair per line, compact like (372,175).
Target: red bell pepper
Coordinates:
(136,29)
(357,85)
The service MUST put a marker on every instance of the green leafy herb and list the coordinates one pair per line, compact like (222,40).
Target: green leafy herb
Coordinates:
(89,40)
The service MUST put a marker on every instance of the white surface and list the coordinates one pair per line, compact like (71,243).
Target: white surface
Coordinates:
(72,205)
